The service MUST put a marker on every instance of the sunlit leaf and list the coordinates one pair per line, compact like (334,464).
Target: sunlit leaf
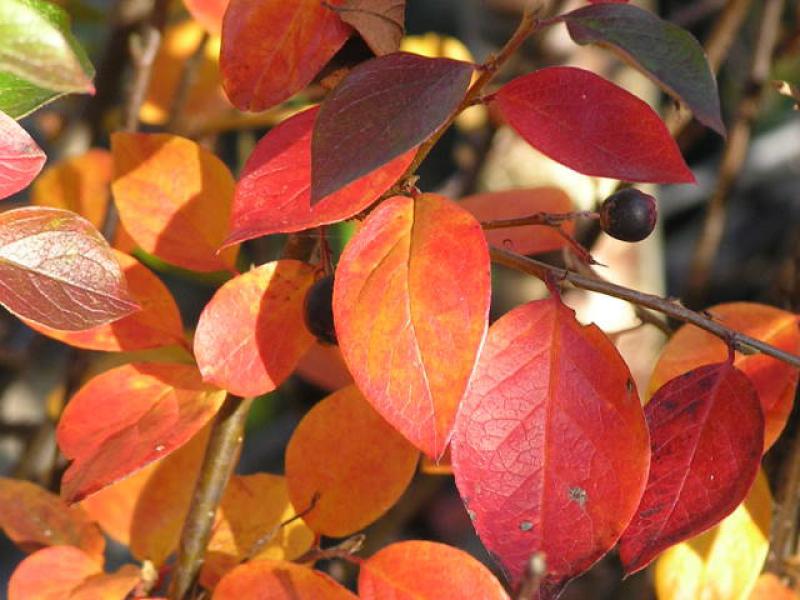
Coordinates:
(36,45)
(426,571)
(20,158)
(32,518)
(56,269)
(775,381)
(723,563)
(251,512)
(273,49)
(592,126)
(357,476)
(208,13)
(80,184)
(52,573)
(380,22)
(381,110)
(19,98)
(550,448)
(273,193)
(108,586)
(128,417)
(252,334)
(770,587)
(204,97)
(157,324)
(663,50)
(411,302)
(706,434)
(511,204)
(279,580)
(174,199)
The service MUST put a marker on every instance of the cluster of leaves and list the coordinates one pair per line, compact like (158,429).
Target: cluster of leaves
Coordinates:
(552,451)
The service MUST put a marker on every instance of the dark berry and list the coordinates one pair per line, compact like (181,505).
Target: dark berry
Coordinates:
(629,215)
(319,310)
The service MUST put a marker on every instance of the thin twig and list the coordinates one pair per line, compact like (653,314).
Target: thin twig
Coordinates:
(541,218)
(735,152)
(219,461)
(188,76)
(741,342)
(143,48)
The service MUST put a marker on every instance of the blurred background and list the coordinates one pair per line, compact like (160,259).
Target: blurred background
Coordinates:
(733,236)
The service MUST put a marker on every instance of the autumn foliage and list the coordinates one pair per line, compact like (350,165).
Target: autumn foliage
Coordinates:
(558,457)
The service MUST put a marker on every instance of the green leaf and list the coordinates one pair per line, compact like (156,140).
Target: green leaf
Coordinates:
(19,98)
(668,54)
(36,45)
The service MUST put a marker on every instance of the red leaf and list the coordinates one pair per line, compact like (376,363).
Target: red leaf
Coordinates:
(32,518)
(550,449)
(56,269)
(379,22)
(511,204)
(706,436)
(371,468)
(128,417)
(52,573)
(775,381)
(273,49)
(381,110)
(592,125)
(273,194)
(410,303)
(426,571)
(251,335)
(157,324)
(20,158)
(279,580)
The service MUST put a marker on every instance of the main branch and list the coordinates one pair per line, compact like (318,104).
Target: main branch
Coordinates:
(740,341)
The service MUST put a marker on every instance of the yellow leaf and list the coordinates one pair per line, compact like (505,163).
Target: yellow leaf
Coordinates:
(723,563)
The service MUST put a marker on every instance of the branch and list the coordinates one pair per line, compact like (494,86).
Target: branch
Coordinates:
(540,218)
(219,461)
(741,342)
(735,151)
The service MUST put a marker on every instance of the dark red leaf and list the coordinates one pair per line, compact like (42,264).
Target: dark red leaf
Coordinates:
(706,435)
(20,158)
(592,125)
(384,108)
(273,49)
(57,269)
(379,22)
(550,449)
(273,194)
(668,53)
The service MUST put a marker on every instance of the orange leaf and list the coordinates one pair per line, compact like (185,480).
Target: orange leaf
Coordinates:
(164,501)
(252,334)
(204,97)
(32,518)
(108,586)
(774,380)
(770,587)
(208,13)
(157,324)
(358,476)
(426,571)
(512,204)
(170,191)
(273,49)
(323,366)
(146,510)
(128,417)
(252,508)
(278,580)
(411,303)
(80,184)
(52,573)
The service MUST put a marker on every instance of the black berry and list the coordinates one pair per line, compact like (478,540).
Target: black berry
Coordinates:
(629,215)
(319,310)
